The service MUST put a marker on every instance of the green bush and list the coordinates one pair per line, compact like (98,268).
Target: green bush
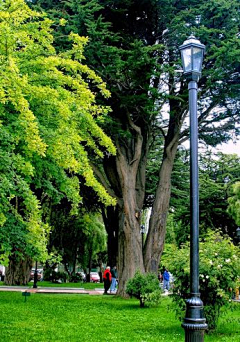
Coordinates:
(59,277)
(144,287)
(55,277)
(219,270)
(47,274)
(76,278)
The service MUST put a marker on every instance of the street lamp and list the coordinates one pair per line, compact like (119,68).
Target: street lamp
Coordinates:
(142,231)
(192,52)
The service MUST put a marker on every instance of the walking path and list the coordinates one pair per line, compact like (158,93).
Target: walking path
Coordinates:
(63,290)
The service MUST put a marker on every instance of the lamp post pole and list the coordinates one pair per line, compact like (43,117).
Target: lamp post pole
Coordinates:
(35,277)
(194,323)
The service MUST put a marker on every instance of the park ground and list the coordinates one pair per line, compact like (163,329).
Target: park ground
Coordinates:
(43,317)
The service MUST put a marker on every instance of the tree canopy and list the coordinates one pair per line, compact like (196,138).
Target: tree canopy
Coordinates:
(217,174)
(49,124)
(234,203)
(133,46)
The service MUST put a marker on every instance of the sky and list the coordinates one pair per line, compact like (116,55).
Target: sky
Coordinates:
(230,148)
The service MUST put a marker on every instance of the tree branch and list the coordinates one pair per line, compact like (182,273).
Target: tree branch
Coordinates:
(103,180)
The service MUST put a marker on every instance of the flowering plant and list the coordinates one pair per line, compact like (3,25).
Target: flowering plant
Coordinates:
(219,272)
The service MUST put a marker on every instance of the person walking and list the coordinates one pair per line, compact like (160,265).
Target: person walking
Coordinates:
(107,278)
(166,280)
(114,279)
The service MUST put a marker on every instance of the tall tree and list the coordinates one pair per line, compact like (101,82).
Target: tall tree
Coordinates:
(48,124)
(217,173)
(133,45)
(234,203)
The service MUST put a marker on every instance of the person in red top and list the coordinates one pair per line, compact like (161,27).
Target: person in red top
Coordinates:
(107,278)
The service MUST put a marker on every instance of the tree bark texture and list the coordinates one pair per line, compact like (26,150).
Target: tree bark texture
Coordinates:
(130,172)
(129,249)
(154,244)
(18,271)
(129,240)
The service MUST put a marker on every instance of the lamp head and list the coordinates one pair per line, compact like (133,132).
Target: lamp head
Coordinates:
(192,52)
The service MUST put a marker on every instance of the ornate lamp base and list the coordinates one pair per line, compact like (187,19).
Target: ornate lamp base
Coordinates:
(194,324)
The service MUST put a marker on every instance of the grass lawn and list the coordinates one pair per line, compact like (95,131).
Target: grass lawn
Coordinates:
(70,318)
(87,286)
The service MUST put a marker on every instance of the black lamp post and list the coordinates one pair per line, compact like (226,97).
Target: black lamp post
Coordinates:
(142,231)
(192,52)
(35,277)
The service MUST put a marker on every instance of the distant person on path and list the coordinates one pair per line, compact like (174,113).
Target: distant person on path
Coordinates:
(166,280)
(107,277)
(114,279)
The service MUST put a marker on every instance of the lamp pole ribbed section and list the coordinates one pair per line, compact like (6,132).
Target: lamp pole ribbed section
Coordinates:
(194,322)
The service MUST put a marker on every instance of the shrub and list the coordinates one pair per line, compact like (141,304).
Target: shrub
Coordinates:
(219,269)
(76,278)
(47,274)
(55,277)
(59,277)
(144,287)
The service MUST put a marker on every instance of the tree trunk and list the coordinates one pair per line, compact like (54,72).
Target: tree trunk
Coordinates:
(157,226)
(130,258)
(18,271)
(110,219)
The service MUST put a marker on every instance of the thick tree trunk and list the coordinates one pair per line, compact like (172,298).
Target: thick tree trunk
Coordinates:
(18,271)
(126,176)
(157,226)
(130,257)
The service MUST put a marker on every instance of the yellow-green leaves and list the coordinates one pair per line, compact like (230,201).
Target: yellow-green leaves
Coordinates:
(48,116)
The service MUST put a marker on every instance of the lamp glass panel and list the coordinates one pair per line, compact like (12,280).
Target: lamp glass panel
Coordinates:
(197,59)
(186,58)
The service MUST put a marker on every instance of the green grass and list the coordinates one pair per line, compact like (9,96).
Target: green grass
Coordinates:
(71,318)
(87,286)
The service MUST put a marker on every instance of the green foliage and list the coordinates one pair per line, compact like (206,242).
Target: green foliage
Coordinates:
(234,203)
(75,278)
(219,270)
(133,45)
(48,126)
(78,239)
(47,274)
(144,287)
(216,177)
(58,277)
(55,277)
